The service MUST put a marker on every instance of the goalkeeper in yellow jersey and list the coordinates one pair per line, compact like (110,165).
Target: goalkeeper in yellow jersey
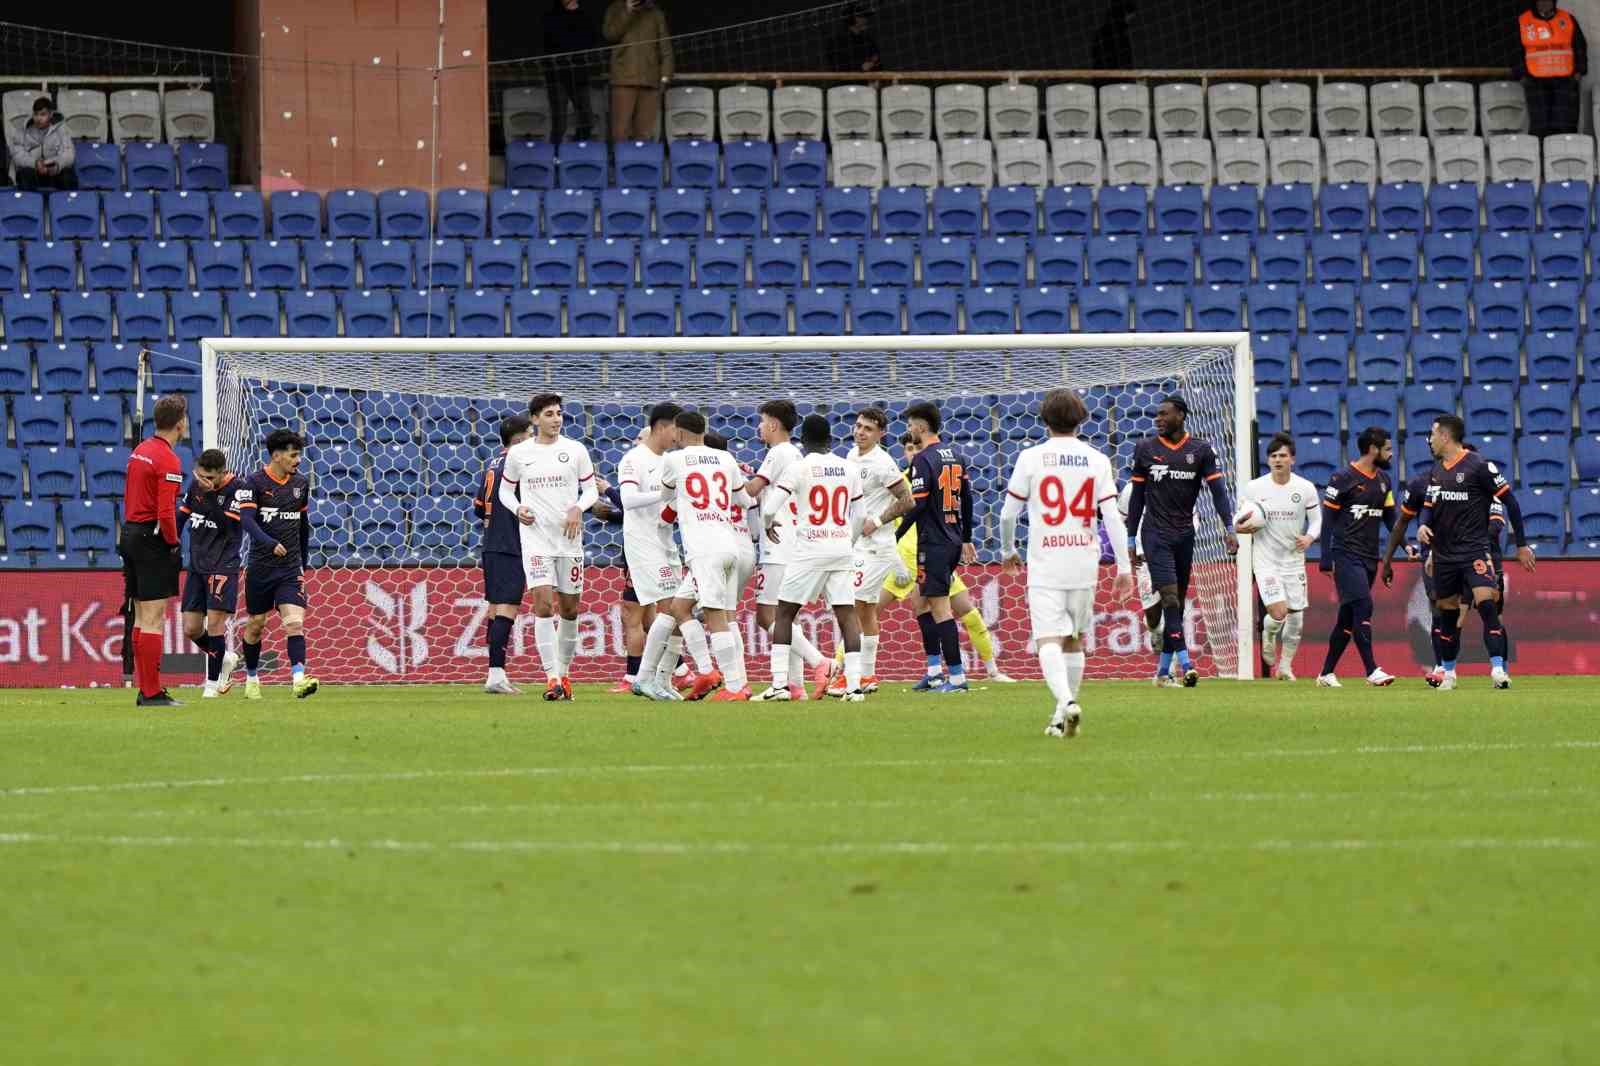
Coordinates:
(902,585)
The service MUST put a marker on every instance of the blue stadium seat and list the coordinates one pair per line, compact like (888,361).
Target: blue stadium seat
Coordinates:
(105,471)
(75,216)
(1416,456)
(130,216)
(440,531)
(381,536)
(720,261)
(252,313)
(530,165)
(736,213)
(665,262)
(763,312)
(1544,516)
(1591,355)
(1314,409)
(1180,209)
(1274,308)
(16,371)
(22,216)
(608,261)
(403,214)
(141,316)
(536,313)
(889,261)
(990,309)
(1336,257)
(107,265)
(1103,308)
(90,525)
(1113,260)
(97,419)
(1330,308)
(1160,308)
(514,213)
(1437,357)
(1442,307)
(836,261)
(819,312)
(1324,358)
(1544,459)
(10,266)
(1224,260)
(1553,358)
(30,526)
(1588,407)
(162,264)
(624,213)
(1449,257)
(1290,208)
(695,164)
(203,165)
(1564,205)
(1045,309)
(651,312)
(1393,257)
(462,213)
(423,312)
(1509,205)
(1558,256)
(311,314)
(480,313)
(903,211)
(63,368)
(1236,209)
(1345,208)
(1487,410)
(497,262)
(748,165)
(1058,261)
(240,215)
(1546,408)
(1269,410)
(389,417)
(945,261)
(441,263)
(1013,211)
(802,163)
(116,366)
(184,215)
(1068,210)
(85,316)
(1386,307)
(1001,261)
(53,471)
(297,214)
(553,262)
(99,166)
(386,264)
(1316,458)
(1169,260)
(1424,403)
(273,264)
(1374,405)
(51,265)
(1494,357)
(1273,355)
(681,213)
(792,212)
(930,310)
(847,212)
(1591,305)
(330,264)
(1586,457)
(592,313)
(1280,258)
(777,262)
(39,419)
(351,213)
(1123,210)
(875,310)
(581,165)
(1506,256)
(175,367)
(1553,306)
(1453,207)
(1585,502)
(1380,358)
(1218,307)
(196,315)
(28,316)
(707,313)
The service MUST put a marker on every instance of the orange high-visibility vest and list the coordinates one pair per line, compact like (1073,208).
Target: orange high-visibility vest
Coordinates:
(1547,44)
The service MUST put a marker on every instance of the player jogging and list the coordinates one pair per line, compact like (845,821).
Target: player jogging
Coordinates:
(151,550)
(654,565)
(1291,522)
(504,583)
(826,490)
(1168,470)
(941,512)
(548,482)
(885,496)
(1062,486)
(211,589)
(275,509)
(1360,506)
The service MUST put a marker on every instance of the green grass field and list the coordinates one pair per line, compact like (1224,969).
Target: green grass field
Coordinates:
(1237,874)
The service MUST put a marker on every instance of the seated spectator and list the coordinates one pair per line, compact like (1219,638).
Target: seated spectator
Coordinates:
(42,150)
(856,48)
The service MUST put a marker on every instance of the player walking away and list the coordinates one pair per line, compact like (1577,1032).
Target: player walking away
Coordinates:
(699,485)
(151,550)
(504,584)
(548,482)
(778,419)
(654,566)
(211,589)
(826,489)
(885,497)
(941,511)
(1291,523)
(275,509)
(1168,470)
(1062,486)
(1360,506)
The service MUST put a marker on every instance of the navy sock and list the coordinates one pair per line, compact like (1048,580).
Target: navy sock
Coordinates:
(1449,638)
(1339,639)
(297,653)
(202,641)
(930,633)
(1494,634)
(499,637)
(1172,628)
(1435,640)
(252,657)
(217,646)
(1361,633)
(950,645)
(633,665)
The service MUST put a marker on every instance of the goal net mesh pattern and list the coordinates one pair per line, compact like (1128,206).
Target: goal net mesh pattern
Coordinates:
(397,443)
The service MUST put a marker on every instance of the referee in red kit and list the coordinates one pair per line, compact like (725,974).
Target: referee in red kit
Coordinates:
(151,551)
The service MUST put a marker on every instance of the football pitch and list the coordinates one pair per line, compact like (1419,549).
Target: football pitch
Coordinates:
(1240,874)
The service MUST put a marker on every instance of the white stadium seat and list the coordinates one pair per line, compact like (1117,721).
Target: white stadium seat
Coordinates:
(191,115)
(1342,109)
(1234,109)
(969,161)
(1124,110)
(1502,108)
(958,111)
(1569,157)
(913,162)
(1396,109)
(858,162)
(1459,158)
(1450,108)
(1404,159)
(135,115)
(18,108)
(1180,110)
(1350,160)
(1132,161)
(1514,157)
(745,113)
(1070,110)
(1187,161)
(1021,161)
(84,113)
(691,113)
(907,112)
(1241,161)
(1286,109)
(525,113)
(1013,111)
(1295,159)
(797,113)
(852,113)
(1077,161)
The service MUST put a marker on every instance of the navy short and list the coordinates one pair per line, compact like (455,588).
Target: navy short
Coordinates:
(1427,582)
(1170,560)
(504,581)
(1460,578)
(1353,578)
(268,589)
(629,594)
(210,592)
(936,568)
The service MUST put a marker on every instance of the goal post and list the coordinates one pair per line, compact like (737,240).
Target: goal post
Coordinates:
(398,430)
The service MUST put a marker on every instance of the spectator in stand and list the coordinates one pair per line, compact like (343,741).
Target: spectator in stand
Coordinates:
(567,29)
(1112,47)
(1554,60)
(641,63)
(42,150)
(855,48)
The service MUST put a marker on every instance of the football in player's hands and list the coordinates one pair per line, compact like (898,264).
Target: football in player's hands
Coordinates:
(1248,518)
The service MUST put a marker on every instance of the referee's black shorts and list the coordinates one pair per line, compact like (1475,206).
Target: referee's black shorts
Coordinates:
(149,564)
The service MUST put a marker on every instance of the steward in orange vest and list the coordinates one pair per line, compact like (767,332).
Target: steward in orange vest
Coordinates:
(1554,58)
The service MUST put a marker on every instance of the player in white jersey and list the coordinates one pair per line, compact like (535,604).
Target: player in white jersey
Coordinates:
(824,491)
(877,559)
(778,419)
(1149,595)
(1066,488)
(548,483)
(654,566)
(1292,515)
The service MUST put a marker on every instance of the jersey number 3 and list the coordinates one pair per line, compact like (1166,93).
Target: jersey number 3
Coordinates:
(1053,494)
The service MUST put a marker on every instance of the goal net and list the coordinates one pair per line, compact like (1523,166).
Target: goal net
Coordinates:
(398,436)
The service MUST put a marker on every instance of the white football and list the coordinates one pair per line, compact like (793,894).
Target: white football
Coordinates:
(1247,519)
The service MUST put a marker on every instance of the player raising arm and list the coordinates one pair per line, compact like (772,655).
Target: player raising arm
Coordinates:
(275,509)
(211,590)
(1291,522)
(1062,485)
(1360,506)
(504,583)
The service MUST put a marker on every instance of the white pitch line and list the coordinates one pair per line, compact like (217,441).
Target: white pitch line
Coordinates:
(360,777)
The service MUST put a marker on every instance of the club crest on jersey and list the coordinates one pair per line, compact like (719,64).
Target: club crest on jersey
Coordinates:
(1189,458)
(1460,477)
(299,491)
(1294,497)
(562,457)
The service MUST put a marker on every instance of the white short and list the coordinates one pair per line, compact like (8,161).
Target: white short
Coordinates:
(746,563)
(804,584)
(712,581)
(1060,612)
(563,572)
(769,580)
(872,572)
(1283,586)
(1148,596)
(655,576)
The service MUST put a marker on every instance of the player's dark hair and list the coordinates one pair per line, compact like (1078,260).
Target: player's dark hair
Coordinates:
(1468,446)
(212,459)
(1280,440)
(814,432)
(1178,403)
(691,422)
(926,411)
(1370,438)
(511,425)
(906,438)
(664,412)
(1063,411)
(716,441)
(170,410)
(283,440)
(541,400)
(783,411)
(1453,425)
(875,415)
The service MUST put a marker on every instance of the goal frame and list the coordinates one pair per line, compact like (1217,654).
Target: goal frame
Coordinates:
(212,348)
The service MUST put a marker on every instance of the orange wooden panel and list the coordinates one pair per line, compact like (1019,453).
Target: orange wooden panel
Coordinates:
(376,12)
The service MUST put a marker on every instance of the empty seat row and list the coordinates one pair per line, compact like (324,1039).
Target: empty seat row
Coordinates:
(1499,359)
(127,115)
(86,526)
(195,165)
(103,367)
(1322,410)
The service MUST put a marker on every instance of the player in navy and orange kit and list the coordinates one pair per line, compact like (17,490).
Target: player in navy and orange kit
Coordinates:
(275,510)
(151,550)
(211,589)
(1359,506)
(504,582)
(1168,471)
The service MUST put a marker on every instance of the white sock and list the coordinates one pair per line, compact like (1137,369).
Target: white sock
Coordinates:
(669,662)
(544,634)
(1054,668)
(803,647)
(726,649)
(1270,629)
(852,671)
(655,645)
(780,666)
(1290,638)
(990,667)
(497,675)
(211,686)
(567,643)
(738,643)
(694,638)
(1075,661)
(869,655)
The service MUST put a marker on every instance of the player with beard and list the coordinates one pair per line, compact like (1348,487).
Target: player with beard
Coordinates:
(1359,506)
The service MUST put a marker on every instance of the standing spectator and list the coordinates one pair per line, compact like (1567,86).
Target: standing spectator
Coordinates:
(1112,48)
(151,551)
(42,150)
(856,48)
(1554,60)
(641,63)
(568,29)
